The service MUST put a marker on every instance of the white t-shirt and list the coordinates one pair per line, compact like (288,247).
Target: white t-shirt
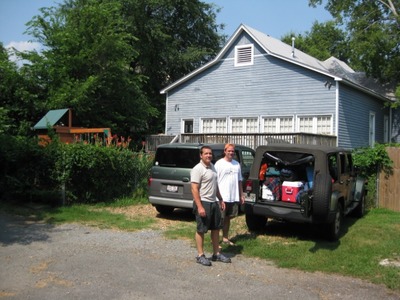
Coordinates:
(229,174)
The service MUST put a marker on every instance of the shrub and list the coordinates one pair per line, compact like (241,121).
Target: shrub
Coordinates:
(70,173)
(370,161)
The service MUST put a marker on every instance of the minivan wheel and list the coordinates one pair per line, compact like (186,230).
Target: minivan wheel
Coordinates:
(255,222)
(334,228)
(164,210)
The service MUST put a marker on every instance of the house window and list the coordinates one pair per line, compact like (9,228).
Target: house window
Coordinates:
(220,126)
(237,125)
(371,129)
(315,124)
(187,126)
(244,55)
(278,125)
(214,126)
(244,125)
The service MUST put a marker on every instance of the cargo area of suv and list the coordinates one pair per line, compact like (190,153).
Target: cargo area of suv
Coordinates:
(169,182)
(303,183)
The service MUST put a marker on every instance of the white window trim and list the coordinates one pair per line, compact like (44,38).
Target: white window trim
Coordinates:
(183,124)
(278,123)
(214,124)
(314,122)
(244,124)
(240,47)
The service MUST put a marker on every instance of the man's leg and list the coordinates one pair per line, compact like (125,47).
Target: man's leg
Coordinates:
(215,240)
(225,229)
(199,237)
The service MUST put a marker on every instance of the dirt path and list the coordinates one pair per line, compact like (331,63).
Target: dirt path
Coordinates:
(70,261)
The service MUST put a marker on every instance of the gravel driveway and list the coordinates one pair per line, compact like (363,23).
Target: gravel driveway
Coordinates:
(70,261)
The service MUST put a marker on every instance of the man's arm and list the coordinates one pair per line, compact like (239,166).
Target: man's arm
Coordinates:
(196,198)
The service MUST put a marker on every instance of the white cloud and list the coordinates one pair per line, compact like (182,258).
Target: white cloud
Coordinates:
(22,46)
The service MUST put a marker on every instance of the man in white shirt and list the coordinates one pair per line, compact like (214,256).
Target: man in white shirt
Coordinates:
(230,186)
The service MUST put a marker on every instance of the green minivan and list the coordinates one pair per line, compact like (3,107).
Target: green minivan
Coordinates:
(169,183)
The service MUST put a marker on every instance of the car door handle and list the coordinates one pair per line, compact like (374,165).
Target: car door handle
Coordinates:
(185,179)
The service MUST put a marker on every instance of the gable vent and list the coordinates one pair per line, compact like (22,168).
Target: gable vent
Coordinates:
(244,55)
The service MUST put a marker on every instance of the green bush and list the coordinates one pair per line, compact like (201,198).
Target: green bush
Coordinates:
(70,173)
(93,173)
(370,161)
(24,167)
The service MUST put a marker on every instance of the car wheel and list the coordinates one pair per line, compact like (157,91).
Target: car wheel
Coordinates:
(359,211)
(334,228)
(255,222)
(322,195)
(164,210)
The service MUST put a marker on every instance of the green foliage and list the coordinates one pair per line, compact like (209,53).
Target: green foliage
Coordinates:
(371,159)
(323,41)
(108,59)
(92,173)
(85,173)
(24,167)
(369,23)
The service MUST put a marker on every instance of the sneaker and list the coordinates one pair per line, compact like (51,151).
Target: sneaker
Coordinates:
(220,257)
(203,260)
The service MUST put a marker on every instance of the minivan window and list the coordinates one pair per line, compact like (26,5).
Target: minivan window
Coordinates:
(177,158)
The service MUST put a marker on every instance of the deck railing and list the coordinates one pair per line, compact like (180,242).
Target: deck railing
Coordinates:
(251,140)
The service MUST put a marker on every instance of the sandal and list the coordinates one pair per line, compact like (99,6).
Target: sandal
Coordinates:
(228,242)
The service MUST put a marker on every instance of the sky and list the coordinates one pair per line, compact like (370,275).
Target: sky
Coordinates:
(273,17)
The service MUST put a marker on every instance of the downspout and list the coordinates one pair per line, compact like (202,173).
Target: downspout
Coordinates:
(337,113)
(166,113)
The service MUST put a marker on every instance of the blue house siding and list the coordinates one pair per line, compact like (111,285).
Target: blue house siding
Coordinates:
(269,87)
(354,111)
(278,85)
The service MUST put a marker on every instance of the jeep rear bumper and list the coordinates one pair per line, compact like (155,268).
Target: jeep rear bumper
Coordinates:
(288,212)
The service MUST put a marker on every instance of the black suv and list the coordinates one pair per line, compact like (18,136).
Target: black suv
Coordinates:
(303,183)
(169,182)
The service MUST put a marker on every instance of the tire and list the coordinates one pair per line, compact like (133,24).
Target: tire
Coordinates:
(255,222)
(359,211)
(322,195)
(334,228)
(164,210)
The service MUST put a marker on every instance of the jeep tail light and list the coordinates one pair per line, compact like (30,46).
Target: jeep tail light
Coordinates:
(249,186)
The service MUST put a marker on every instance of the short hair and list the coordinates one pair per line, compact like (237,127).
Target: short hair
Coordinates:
(204,147)
(229,145)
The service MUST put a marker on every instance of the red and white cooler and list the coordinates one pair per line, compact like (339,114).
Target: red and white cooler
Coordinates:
(290,189)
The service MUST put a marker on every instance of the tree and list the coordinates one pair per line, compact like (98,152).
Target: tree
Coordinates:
(322,41)
(108,59)
(373,31)
(17,97)
(174,37)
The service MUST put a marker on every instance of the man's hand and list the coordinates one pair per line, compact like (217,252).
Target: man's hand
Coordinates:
(201,211)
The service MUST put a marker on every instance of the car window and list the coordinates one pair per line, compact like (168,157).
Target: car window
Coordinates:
(333,166)
(176,157)
(248,158)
